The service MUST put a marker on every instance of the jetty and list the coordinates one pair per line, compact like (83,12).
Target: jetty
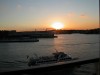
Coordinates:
(23,34)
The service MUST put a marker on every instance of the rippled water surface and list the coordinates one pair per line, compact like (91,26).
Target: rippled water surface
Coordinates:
(13,55)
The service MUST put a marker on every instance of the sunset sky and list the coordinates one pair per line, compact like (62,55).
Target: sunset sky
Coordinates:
(28,15)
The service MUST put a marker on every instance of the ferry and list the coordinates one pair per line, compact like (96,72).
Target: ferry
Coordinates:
(56,57)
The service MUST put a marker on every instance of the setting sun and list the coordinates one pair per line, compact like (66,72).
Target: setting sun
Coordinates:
(57,25)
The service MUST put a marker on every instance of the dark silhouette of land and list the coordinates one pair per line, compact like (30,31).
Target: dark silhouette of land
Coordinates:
(6,34)
(91,31)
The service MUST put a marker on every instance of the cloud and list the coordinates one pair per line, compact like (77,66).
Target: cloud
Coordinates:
(71,14)
(19,7)
(83,16)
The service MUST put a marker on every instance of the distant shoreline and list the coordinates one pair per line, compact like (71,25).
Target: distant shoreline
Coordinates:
(91,31)
(29,35)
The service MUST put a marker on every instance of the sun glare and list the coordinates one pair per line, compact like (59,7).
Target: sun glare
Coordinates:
(57,25)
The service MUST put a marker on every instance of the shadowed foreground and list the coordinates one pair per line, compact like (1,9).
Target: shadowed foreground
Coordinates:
(79,67)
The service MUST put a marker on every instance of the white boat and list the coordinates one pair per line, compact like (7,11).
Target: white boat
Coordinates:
(56,57)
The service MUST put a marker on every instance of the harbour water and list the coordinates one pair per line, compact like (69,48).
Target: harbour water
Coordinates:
(14,55)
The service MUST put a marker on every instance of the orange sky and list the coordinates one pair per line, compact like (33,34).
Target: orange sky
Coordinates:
(28,15)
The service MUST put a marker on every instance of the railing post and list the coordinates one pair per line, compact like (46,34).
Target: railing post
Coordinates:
(97,67)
